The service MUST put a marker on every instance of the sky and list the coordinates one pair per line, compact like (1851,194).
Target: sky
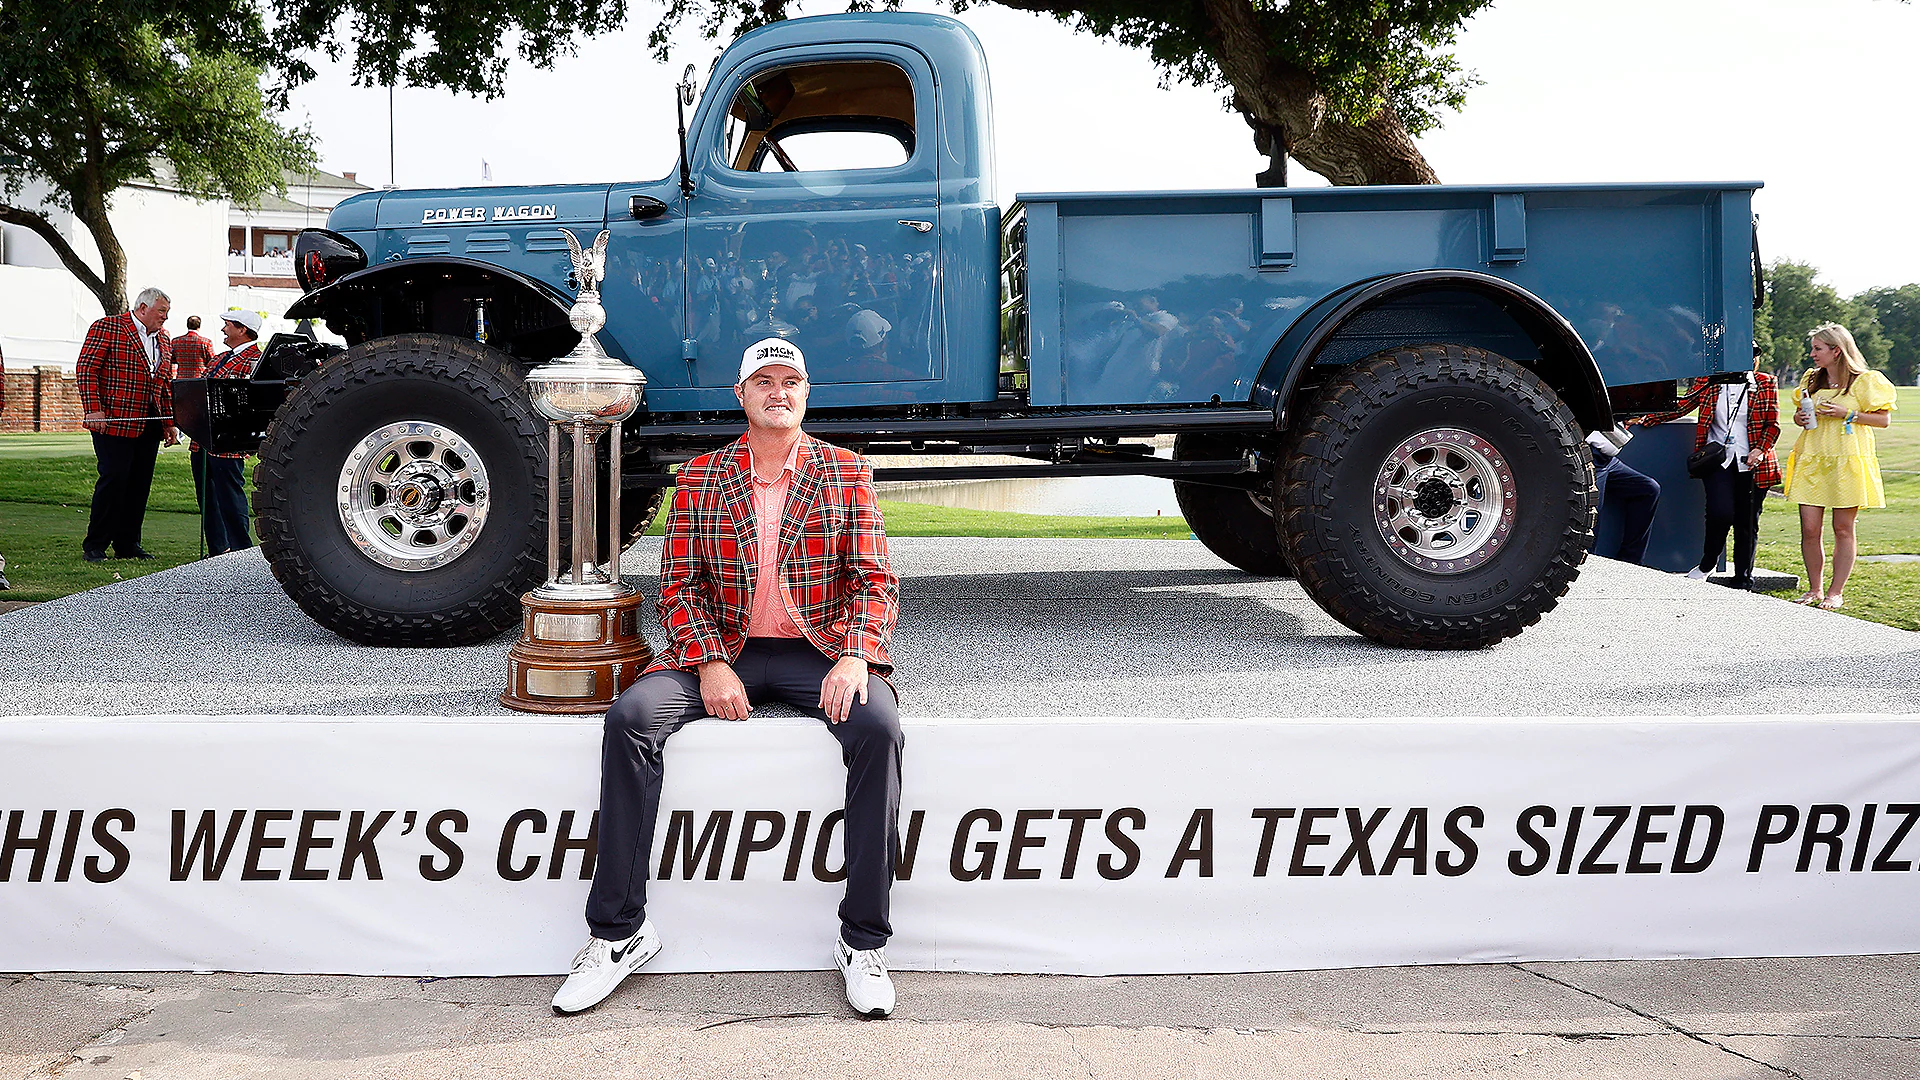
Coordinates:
(1813,97)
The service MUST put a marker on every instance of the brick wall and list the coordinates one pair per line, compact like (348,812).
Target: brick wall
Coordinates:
(16,414)
(40,399)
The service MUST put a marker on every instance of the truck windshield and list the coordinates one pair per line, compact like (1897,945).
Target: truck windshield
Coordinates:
(823,116)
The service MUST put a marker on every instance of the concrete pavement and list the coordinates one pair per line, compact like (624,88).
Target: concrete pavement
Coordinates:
(1821,1019)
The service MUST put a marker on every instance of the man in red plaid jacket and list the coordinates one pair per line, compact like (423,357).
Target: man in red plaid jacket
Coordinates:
(224,513)
(1744,417)
(774,586)
(125,370)
(192,354)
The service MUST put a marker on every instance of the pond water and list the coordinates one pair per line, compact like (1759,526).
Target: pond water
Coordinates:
(1100,496)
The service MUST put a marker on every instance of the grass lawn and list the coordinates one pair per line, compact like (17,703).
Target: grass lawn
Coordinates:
(921,519)
(46,486)
(1883,592)
(59,469)
(60,445)
(42,544)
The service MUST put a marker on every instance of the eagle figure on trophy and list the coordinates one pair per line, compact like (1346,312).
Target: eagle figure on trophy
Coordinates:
(589,269)
(589,264)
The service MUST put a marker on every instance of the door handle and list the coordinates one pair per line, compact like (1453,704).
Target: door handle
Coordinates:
(917,226)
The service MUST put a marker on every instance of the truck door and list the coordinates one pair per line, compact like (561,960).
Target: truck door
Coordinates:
(645,288)
(816,220)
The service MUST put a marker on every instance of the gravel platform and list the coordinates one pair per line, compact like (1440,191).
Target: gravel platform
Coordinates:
(1028,627)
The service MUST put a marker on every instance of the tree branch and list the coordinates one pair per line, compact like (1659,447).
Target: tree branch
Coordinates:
(69,258)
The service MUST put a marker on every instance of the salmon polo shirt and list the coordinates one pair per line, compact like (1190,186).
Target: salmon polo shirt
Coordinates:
(770,616)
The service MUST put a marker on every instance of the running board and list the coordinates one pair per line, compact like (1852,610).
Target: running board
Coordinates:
(950,429)
(1173,470)
(1142,467)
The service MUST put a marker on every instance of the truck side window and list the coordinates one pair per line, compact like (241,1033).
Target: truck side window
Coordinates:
(827,116)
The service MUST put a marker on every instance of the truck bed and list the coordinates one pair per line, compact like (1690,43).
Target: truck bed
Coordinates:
(1654,278)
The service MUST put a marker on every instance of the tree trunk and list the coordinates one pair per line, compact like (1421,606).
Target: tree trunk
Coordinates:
(1377,152)
(111,289)
(1272,142)
(90,206)
(1284,106)
(1283,99)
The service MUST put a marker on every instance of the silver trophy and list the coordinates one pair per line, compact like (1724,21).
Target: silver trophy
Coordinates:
(590,393)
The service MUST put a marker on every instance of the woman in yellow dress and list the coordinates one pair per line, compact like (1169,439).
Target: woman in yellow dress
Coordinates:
(1833,467)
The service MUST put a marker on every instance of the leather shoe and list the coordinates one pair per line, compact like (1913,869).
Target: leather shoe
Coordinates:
(136,553)
(93,556)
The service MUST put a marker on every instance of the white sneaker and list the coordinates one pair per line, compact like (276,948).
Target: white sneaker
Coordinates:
(1696,574)
(600,967)
(869,988)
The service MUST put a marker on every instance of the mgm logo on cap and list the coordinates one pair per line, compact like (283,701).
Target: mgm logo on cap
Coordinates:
(769,351)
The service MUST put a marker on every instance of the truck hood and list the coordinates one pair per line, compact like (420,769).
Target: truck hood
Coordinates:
(442,207)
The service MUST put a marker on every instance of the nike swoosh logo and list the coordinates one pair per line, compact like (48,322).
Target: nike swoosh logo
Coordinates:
(620,954)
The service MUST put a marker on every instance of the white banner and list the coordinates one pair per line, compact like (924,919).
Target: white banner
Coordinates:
(460,847)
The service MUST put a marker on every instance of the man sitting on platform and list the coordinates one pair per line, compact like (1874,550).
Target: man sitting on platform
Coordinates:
(774,586)
(1637,493)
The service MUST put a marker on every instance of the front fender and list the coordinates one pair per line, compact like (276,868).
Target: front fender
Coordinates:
(525,317)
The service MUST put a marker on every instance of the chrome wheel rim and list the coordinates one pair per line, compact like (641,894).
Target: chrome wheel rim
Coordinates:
(1444,501)
(413,495)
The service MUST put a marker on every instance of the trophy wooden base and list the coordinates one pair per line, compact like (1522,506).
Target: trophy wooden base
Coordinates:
(575,656)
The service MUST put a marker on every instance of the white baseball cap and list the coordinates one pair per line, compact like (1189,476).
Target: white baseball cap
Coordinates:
(249,319)
(867,327)
(770,351)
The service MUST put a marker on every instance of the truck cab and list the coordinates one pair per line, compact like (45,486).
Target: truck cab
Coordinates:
(842,196)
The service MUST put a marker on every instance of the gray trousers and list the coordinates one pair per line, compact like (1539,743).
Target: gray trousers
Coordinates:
(788,670)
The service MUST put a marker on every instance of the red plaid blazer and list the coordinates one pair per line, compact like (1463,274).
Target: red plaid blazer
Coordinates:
(1763,420)
(191,356)
(113,376)
(834,567)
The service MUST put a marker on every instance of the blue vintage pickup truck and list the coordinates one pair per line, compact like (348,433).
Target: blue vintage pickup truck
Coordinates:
(1383,391)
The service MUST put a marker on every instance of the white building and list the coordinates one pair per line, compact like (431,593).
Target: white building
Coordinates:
(260,241)
(45,311)
(177,243)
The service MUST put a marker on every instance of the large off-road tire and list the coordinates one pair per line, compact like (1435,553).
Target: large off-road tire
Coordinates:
(1436,497)
(401,493)
(1236,525)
